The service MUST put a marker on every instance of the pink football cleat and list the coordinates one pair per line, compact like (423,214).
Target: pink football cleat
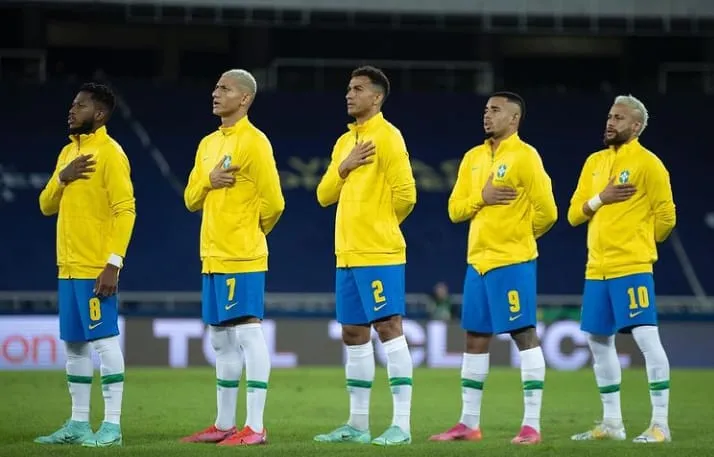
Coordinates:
(246,437)
(528,435)
(209,435)
(458,432)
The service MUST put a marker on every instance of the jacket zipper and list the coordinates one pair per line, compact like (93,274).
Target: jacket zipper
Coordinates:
(602,260)
(347,264)
(64,229)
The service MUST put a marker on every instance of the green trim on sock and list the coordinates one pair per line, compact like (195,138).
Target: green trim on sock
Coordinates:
(79,379)
(659,385)
(471,384)
(400,382)
(359,383)
(227,384)
(113,378)
(532,385)
(609,389)
(256,385)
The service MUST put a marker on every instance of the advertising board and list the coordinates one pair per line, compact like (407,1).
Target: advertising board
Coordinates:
(32,342)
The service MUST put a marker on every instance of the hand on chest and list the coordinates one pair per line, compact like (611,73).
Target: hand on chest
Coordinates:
(83,167)
(222,154)
(361,164)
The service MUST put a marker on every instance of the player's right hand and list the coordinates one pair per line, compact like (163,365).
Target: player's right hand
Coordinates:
(616,193)
(77,169)
(222,177)
(360,155)
(497,195)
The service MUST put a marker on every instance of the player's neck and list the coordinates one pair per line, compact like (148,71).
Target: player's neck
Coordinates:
(361,119)
(231,120)
(496,141)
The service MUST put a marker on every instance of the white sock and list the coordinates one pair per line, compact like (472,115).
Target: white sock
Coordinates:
(399,369)
(359,371)
(257,372)
(229,364)
(657,365)
(474,369)
(111,364)
(79,379)
(608,375)
(533,377)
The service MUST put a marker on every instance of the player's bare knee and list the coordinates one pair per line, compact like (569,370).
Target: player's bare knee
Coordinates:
(525,338)
(389,328)
(478,343)
(353,335)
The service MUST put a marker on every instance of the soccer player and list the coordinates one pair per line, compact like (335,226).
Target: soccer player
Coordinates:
(506,195)
(370,178)
(624,195)
(235,183)
(92,194)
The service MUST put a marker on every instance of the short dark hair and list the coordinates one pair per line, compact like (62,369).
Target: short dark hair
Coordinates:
(375,75)
(101,93)
(513,98)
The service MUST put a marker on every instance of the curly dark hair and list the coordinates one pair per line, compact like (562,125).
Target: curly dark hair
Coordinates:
(101,93)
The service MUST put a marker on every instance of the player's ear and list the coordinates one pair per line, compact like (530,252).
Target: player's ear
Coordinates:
(517,119)
(99,115)
(378,98)
(247,98)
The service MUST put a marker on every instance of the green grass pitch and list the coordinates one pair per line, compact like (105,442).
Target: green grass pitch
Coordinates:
(162,405)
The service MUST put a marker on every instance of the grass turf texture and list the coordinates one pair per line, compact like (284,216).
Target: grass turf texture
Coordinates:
(162,405)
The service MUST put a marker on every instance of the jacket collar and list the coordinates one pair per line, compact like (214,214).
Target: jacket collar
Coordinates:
(89,138)
(512,140)
(632,145)
(235,128)
(371,123)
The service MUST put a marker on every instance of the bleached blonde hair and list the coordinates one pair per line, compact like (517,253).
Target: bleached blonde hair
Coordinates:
(244,78)
(634,103)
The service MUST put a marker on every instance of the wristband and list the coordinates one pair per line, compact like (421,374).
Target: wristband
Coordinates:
(595,203)
(115,260)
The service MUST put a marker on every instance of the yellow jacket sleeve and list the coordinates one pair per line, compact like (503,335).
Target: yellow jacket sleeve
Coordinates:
(52,193)
(199,184)
(330,186)
(120,191)
(260,167)
(539,188)
(659,193)
(463,205)
(582,193)
(398,173)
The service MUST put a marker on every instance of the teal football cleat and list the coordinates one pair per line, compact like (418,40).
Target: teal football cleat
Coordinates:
(393,436)
(345,434)
(108,435)
(72,432)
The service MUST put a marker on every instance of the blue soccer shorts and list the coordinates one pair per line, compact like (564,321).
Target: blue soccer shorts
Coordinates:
(82,315)
(366,294)
(501,301)
(225,297)
(618,304)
